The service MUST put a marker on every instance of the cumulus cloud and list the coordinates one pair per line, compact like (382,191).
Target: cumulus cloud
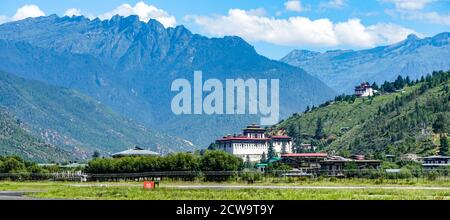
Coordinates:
(409,4)
(295,6)
(413,10)
(26,11)
(72,12)
(144,11)
(300,31)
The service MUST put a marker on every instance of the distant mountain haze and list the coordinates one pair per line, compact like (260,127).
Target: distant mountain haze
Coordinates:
(343,69)
(129,66)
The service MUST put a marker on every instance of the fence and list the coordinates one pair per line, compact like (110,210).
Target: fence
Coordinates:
(60,176)
(248,176)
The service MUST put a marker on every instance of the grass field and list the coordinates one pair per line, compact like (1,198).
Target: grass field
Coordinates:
(168,191)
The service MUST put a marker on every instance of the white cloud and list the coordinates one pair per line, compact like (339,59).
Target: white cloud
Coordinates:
(431,17)
(72,12)
(295,6)
(390,33)
(144,11)
(300,31)
(27,11)
(413,10)
(410,4)
(333,4)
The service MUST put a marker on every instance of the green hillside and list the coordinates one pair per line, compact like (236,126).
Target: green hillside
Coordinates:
(75,122)
(15,140)
(412,119)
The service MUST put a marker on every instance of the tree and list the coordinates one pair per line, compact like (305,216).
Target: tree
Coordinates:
(319,129)
(96,154)
(271,152)
(216,160)
(294,131)
(443,150)
(248,163)
(12,165)
(307,109)
(439,125)
(375,86)
(213,146)
(263,157)
(417,108)
(408,81)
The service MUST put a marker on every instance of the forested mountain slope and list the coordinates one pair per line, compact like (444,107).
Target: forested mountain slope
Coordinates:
(15,140)
(414,119)
(75,122)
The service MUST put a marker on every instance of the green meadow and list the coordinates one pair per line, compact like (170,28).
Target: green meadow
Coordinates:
(367,190)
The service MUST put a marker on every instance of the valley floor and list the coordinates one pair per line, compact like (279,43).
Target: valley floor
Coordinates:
(321,190)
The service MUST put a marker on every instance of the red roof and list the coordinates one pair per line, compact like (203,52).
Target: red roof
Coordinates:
(305,155)
(243,138)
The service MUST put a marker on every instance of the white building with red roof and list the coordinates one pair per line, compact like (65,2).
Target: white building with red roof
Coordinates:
(364,90)
(253,142)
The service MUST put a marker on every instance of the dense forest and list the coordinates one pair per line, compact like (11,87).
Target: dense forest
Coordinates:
(405,116)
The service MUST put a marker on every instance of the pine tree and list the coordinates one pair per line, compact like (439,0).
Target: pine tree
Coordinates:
(439,126)
(375,86)
(408,81)
(443,150)
(271,152)
(307,109)
(319,129)
(248,163)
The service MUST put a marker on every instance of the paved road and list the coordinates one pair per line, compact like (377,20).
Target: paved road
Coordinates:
(16,195)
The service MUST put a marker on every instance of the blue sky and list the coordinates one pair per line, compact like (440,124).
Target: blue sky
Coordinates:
(274,27)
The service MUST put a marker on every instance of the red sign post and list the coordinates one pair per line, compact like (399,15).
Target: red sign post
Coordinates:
(149,184)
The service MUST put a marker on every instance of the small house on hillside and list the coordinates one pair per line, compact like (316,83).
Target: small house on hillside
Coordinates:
(364,90)
(136,151)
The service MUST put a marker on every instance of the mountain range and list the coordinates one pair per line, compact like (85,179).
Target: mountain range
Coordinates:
(129,65)
(344,69)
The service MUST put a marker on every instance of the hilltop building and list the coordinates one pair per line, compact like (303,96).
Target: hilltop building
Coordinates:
(364,90)
(253,142)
